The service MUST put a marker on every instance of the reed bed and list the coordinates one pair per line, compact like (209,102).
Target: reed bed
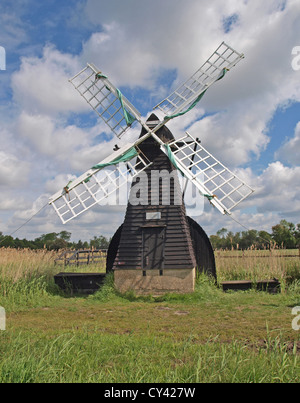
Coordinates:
(26,277)
(19,263)
(255,265)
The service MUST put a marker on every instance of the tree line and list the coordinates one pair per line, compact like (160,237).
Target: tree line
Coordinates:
(54,241)
(283,235)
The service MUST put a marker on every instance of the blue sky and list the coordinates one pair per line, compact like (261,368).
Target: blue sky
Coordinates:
(250,120)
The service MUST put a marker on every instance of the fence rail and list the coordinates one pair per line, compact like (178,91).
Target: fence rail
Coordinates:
(244,255)
(81,257)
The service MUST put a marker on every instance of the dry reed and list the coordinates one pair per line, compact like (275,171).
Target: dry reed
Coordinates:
(19,263)
(258,265)
(251,264)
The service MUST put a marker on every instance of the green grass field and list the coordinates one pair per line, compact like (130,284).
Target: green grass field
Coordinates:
(207,336)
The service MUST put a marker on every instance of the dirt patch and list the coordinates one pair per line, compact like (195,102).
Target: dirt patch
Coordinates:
(180,313)
(291,347)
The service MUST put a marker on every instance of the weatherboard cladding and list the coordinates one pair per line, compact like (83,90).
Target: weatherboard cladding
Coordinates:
(204,253)
(178,246)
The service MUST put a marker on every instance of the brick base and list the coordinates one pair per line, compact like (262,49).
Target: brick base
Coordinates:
(153,283)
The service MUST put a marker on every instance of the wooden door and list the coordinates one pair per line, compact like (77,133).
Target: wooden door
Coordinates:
(153,248)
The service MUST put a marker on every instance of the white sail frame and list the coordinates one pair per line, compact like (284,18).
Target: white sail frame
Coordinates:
(222,60)
(216,182)
(103,98)
(88,190)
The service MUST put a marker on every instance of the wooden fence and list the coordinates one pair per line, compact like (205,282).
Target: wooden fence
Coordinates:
(246,254)
(81,257)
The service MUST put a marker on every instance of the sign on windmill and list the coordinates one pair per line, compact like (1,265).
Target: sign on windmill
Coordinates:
(158,248)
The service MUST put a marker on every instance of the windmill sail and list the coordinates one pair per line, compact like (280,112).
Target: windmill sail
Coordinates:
(214,181)
(98,183)
(105,99)
(222,187)
(189,94)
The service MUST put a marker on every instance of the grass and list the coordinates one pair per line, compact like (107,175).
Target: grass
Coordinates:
(206,336)
(258,265)
(85,356)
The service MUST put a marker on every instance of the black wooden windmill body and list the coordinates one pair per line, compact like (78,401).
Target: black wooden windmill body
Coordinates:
(158,248)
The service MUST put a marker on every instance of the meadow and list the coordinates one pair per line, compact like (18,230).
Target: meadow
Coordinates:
(207,336)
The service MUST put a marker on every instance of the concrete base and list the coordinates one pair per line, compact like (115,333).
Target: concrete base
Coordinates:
(155,282)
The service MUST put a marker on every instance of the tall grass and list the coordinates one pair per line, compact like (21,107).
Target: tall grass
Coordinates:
(255,265)
(19,263)
(94,357)
(93,353)
(26,276)
(243,265)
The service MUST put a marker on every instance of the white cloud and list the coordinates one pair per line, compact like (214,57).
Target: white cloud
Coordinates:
(136,44)
(9,202)
(41,85)
(70,145)
(13,31)
(276,196)
(212,221)
(13,171)
(133,52)
(50,136)
(59,182)
(278,189)
(290,151)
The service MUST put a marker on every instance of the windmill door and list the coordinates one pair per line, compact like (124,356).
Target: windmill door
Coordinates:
(153,248)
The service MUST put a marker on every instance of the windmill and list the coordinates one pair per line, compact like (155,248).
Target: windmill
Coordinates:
(157,248)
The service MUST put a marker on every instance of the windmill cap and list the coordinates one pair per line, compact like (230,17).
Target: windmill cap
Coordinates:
(152,120)
(163,133)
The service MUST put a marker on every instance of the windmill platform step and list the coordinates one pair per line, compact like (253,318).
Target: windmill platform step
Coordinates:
(271,286)
(79,283)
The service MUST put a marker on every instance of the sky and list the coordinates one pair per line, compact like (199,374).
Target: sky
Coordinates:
(250,120)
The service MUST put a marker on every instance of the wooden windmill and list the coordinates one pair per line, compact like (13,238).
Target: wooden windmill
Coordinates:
(158,248)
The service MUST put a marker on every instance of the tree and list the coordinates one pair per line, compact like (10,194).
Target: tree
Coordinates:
(297,235)
(99,243)
(65,235)
(264,240)
(7,242)
(222,232)
(53,240)
(58,244)
(81,245)
(283,234)
(216,241)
